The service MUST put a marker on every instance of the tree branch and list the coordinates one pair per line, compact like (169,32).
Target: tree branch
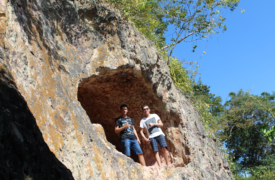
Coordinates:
(180,40)
(192,40)
(230,133)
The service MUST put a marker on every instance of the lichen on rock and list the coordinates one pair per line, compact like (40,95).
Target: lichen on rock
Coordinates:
(73,63)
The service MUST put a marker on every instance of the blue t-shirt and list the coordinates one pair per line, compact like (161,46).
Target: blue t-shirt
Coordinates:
(128,132)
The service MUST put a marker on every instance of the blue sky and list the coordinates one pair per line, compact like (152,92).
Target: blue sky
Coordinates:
(243,57)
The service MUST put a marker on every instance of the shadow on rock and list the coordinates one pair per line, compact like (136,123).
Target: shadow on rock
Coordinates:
(23,152)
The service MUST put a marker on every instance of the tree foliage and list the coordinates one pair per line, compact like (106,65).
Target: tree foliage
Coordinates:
(241,125)
(147,16)
(264,171)
(208,104)
(193,19)
(181,77)
(202,92)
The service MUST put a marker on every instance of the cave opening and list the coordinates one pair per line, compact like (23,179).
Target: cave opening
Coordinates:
(101,96)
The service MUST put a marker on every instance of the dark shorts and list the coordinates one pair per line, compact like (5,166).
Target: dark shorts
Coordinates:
(158,140)
(130,144)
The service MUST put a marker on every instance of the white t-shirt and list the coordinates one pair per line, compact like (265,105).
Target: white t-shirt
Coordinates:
(153,131)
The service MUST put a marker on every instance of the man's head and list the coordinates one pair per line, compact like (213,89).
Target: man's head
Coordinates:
(146,110)
(124,109)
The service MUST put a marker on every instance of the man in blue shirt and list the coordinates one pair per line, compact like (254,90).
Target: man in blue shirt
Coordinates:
(128,135)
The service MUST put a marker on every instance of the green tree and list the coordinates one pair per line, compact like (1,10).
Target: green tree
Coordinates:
(241,130)
(191,19)
(269,131)
(266,170)
(208,104)
(202,92)
(194,20)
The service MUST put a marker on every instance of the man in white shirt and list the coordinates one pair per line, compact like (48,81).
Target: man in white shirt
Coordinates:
(153,124)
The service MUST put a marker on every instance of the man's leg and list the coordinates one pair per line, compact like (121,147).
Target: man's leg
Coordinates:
(141,159)
(137,150)
(165,152)
(162,142)
(155,148)
(157,157)
(126,146)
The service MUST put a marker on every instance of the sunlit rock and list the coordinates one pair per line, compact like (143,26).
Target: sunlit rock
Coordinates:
(70,65)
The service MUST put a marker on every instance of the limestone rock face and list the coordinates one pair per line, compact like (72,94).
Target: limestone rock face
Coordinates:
(66,67)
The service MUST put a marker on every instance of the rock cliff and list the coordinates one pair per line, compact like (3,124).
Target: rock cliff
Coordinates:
(65,68)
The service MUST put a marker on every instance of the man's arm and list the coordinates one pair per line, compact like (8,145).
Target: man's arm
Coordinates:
(144,137)
(158,124)
(135,133)
(118,129)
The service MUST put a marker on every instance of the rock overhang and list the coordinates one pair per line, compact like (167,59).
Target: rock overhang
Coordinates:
(101,96)
(49,49)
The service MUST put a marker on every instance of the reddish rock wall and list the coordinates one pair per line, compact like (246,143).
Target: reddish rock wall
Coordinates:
(102,95)
(74,63)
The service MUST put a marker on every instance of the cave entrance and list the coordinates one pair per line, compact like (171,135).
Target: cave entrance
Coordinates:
(101,96)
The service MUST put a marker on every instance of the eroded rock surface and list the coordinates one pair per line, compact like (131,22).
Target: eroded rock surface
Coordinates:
(73,63)
(23,152)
